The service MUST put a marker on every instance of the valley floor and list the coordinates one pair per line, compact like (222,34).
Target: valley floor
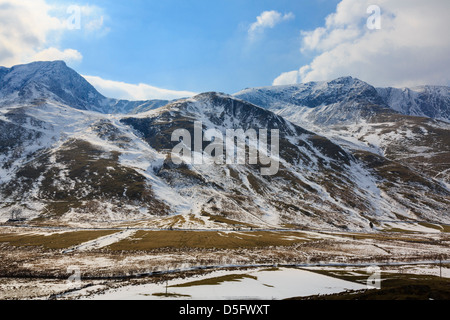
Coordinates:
(42,262)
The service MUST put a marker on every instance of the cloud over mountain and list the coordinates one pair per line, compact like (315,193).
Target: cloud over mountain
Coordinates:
(408,50)
(32,30)
(127,91)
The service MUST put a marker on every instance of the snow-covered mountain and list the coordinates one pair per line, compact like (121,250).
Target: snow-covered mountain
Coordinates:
(404,125)
(347,100)
(69,163)
(344,100)
(423,101)
(54,81)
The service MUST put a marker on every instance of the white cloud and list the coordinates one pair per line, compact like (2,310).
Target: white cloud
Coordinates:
(126,91)
(95,24)
(286,78)
(268,19)
(52,54)
(31,30)
(412,47)
(24,29)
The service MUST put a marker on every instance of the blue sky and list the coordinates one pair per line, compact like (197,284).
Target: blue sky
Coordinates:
(148,49)
(200,45)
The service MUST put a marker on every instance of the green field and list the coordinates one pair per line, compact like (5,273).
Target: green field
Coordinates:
(150,240)
(53,241)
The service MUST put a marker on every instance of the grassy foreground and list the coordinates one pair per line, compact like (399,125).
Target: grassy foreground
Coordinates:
(53,241)
(150,240)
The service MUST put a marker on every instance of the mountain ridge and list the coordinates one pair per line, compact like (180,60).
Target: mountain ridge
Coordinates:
(70,165)
(305,97)
(57,82)
(423,101)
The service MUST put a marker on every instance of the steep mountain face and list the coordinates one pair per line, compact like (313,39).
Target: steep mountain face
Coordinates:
(135,107)
(313,94)
(241,192)
(422,144)
(388,122)
(344,100)
(59,162)
(68,164)
(424,101)
(347,100)
(54,81)
(318,183)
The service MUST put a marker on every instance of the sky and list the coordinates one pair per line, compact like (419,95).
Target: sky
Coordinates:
(148,49)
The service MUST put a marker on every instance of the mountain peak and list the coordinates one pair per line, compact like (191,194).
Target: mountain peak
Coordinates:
(345,79)
(313,94)
(348,80)
(210,95)
(39,67)
(43,63)
(49,80)
(55,81)
(345,99)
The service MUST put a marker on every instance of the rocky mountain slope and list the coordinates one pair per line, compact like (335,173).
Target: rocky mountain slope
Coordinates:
(424,101)
(54,81)
(349,99)
(410,126)
(63,161)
